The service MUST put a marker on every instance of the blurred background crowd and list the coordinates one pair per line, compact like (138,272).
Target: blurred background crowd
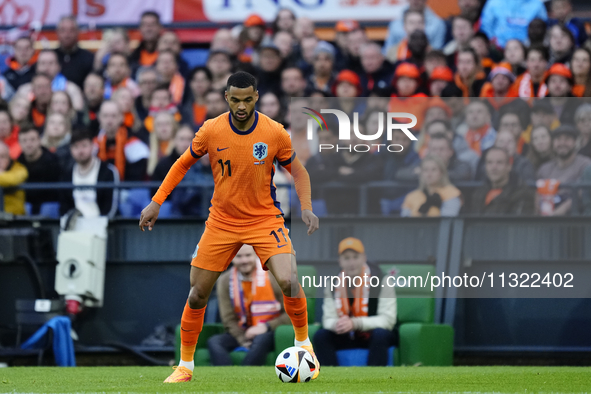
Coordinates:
(504,119)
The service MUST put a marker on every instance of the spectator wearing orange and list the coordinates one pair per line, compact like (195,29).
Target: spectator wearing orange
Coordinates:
(251,37)
(12,174)
(94,92)
(160,100)
(407,95)
(469,78)
(21,65)
(9,134)
(481,44)
(346,87)
(480,135)
(531,83)
(116,146)
(41,88)
(503,193)
(150,29)
(434,58)
(560,85)
(436,196)
(412,20)
(342,30)
(195,107)
(512,120)
(167,67)
(169,41)
(543,113)
(520,165)
(118,75)
(581,68)
(496,91)
(440,77)
(124,99)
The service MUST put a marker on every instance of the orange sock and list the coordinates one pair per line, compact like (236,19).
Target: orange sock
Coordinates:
(297,310)
(191,326)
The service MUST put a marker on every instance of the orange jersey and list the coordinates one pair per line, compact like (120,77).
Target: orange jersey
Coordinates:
(242,163)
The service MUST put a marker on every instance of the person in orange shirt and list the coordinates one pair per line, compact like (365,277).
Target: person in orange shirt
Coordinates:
(242,147)
(150,29)
(440,77)
(469,77)
(480,135)
(531,83)
(168,68)
(496,91)
(407,96)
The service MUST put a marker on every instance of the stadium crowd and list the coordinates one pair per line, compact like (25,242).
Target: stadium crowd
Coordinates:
(499,101)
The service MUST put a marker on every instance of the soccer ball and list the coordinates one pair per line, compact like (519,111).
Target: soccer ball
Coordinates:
(294,365)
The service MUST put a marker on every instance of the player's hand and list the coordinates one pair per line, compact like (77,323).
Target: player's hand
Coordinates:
(149,216)
(311,220)
(344,325)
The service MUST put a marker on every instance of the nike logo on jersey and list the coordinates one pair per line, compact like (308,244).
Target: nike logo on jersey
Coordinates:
(297,314)
(219,150)
(280,246)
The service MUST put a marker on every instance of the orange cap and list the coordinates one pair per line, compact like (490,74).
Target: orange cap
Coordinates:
(502,68)
(346,26)
(407,70)
(562,70)
(254,20)
(443,73)
(351,243)
(347,76)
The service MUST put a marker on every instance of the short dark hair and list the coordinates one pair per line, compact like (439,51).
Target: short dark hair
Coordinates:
(28,126)
(539,48)
(203,69)
(151,13)
(80,134)
(472,52)
(242,80)
(482,35)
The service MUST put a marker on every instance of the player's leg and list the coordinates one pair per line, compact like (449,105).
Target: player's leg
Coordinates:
(284,269)
(202,282)
(213,254)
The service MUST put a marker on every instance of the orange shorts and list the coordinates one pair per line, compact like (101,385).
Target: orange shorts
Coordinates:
(218,247)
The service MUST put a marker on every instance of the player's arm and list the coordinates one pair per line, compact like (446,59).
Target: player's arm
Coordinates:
(175,175)
(301,179)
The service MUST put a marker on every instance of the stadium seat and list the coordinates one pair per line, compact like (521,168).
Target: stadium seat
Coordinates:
(421,341)
(50,210)
(319,208)
(195,57)
(358,357)
(133,201)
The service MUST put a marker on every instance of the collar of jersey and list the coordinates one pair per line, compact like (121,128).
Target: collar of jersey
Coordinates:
(235,130)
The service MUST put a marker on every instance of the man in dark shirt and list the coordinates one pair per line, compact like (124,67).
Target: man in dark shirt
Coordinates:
(146,54)
(76,62)
(94,89)
(42,165)
(21,65)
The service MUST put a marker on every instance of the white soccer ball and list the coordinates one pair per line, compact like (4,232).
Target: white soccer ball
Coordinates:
(294,365)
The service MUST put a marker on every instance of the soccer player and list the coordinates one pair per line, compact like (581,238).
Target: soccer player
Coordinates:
(243,146)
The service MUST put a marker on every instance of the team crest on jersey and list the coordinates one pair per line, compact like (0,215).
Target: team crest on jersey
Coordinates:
(260,150)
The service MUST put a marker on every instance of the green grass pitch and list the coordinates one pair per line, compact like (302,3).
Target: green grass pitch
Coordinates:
(331,380)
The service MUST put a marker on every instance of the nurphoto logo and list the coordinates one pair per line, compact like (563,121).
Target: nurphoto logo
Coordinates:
(392,123)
